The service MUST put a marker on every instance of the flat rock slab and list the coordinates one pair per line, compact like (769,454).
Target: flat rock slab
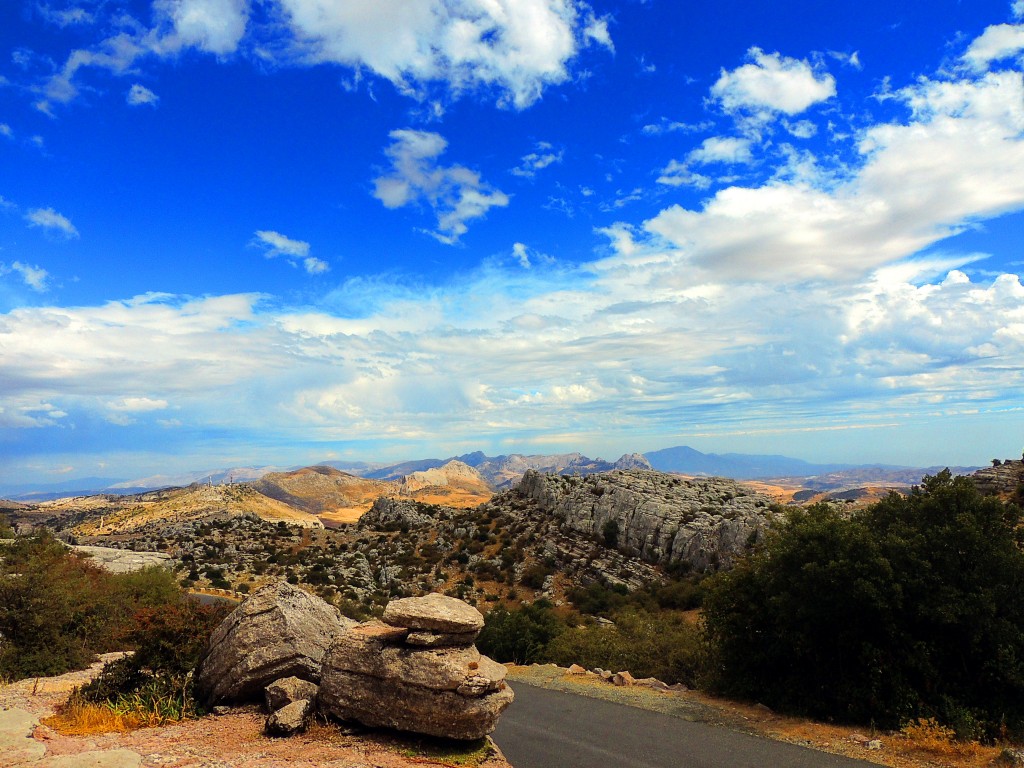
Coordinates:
(435,613)
(123,560)
(16,742)
(111,758)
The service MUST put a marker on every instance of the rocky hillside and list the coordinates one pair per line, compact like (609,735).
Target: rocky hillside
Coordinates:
(660,518)
(1003,478)
(322,490)
(454,474)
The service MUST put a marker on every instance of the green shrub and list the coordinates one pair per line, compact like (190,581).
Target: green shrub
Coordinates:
(662,645)
(906,610)
(520,635)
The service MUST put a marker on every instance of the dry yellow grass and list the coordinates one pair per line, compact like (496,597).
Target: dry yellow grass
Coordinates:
(79,718)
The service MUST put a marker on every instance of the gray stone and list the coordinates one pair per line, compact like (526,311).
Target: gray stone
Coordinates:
(393,704)
(434,612)
(123,560)
(439,639)
(623,679)
(289,719)
(288,690)
(16,742)
(278,631)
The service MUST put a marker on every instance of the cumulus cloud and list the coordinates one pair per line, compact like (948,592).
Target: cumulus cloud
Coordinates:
(538,160)
(139,95)
(137,404)
(275,244)
(214,26)
(34,277)
(722,149)
(771,84)
(959,159)
(997,42)
(517,47)
(51,221)
(455,193)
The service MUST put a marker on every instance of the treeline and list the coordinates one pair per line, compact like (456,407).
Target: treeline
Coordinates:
(912,608)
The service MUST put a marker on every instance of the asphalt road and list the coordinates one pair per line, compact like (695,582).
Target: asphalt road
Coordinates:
(551,729)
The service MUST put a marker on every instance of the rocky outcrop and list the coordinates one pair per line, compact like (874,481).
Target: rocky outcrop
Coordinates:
(123,560)
(660,518)
(289,690)
(374,676)
(454,474)
(393,514)
(1001,479)
(632,461)
(278,631)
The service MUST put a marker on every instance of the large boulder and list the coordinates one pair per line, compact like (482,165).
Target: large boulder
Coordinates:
(278,631)
(374,675)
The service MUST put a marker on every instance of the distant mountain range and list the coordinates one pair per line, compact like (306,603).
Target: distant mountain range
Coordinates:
(499,471)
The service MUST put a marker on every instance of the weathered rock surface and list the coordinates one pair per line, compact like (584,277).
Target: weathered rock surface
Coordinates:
(278,631)
(390,513)
(440,639)
(661,518)
(16,742)
(123,560)
(1000,479)
(289,719)
(288,690)
(434,612)
(373,675)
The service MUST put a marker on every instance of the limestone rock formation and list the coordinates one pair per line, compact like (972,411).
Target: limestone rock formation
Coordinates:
(373,675)
(288,690)
(278,631)
(391,513)
(453,474)
(289,719)
(658,517)
(1000,479)
(436,613)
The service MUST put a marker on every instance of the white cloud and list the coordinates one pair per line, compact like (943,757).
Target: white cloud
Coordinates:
(455,193)
(959,159)
(771,83)
(664,125)
(6,131)
(34,277)
(517,47)
(802,129)
(679,174)
(276,244)
(722,149)
(137,404)
(1018,8)
(315,266)
(140,94)
(214,26)
(66,17)
(537,161)
(50,220)
(997,42)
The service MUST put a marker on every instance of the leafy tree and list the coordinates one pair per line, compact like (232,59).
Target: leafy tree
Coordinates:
(909,609)
(520,635)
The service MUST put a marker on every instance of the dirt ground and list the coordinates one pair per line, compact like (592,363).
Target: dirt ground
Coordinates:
(233,740)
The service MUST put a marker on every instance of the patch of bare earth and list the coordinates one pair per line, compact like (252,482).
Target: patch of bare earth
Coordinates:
(236,740)
(919,748)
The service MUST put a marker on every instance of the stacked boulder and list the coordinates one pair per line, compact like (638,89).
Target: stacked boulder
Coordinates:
(279,631)
(417,671)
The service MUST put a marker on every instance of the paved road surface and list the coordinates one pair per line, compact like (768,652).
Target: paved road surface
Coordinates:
(551,729)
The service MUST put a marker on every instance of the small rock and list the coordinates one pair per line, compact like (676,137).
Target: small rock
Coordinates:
(220,709)
(426,639)
(653,682)
(290,718)
(678,687)
(288,690)
(623,679)
(604,674)
(874,744)
(859,738)
(576,669)
(1010,758)
(434,612)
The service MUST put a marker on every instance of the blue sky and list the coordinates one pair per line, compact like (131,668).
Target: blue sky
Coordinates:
(282,231)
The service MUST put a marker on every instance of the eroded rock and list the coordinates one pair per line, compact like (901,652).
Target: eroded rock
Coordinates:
(289,719)
(278,631)
(434,612)
(288,690)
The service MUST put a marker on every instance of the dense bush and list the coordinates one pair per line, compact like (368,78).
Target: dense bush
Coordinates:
(520,635)
(58,610)
(911,608)
(662,645)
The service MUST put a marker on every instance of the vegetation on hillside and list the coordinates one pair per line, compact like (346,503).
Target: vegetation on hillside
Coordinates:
(909,609)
